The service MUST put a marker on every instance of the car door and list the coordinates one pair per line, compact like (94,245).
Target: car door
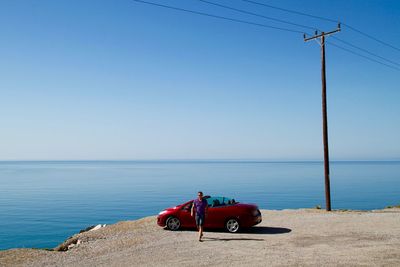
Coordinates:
(216,213)
(185,216)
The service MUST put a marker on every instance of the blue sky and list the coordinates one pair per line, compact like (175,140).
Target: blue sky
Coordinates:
(124,80)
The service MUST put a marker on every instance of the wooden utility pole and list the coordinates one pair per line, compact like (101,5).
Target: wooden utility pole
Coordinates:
(321,36)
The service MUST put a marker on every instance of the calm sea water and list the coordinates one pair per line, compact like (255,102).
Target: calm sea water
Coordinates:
(43,203)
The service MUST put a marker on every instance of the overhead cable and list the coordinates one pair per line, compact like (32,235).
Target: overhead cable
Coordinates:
(360,55)
(257,15)
(290,11)
(266,26)
(218,17)
(299,25)
(365,50)
(325,19)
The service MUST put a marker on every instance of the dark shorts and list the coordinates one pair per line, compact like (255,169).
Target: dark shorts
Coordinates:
(199,220)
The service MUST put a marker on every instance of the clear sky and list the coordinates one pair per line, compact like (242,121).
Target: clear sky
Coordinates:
(124,80)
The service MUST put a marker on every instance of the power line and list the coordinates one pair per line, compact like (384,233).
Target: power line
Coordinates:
(289,10)
(360,55)
(217,16)
(259,25)
(299,25)
(371,37)
(257,15)
(365,50)
(325,19)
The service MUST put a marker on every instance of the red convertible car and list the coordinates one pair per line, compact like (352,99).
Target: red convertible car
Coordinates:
(222,213)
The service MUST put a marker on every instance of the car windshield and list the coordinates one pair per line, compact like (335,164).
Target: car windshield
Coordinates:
(187,206)
(219,201)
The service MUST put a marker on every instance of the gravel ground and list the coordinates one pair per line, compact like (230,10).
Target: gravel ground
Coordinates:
(284,238)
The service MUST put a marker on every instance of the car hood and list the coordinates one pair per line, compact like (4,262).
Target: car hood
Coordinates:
(172,208)
(169,209)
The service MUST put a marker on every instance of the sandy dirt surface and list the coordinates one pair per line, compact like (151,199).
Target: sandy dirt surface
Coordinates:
(284,238)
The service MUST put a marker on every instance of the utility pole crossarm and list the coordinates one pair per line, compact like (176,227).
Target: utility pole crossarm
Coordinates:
(321,34)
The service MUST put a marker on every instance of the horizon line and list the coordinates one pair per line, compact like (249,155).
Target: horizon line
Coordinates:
(197,160)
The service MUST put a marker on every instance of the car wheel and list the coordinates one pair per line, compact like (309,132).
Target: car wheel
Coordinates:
(232,225)
(173,223)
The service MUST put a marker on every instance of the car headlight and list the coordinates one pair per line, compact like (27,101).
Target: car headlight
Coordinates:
(162,212)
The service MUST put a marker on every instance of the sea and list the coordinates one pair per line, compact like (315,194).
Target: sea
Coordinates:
(44,202)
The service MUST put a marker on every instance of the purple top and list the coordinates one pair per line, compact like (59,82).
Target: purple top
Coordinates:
(200,206)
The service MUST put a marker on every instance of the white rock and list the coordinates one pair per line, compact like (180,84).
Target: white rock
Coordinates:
(97,227)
